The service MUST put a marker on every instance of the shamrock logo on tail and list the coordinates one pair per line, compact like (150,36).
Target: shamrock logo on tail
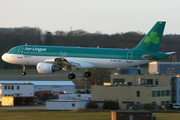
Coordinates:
(153,38)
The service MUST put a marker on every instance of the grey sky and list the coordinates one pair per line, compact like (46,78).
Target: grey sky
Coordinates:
(107,16)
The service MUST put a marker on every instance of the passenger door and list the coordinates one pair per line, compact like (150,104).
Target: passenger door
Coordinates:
(20,52)
(129,57)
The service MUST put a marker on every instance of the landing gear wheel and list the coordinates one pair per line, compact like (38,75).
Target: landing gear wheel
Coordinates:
(24,70)
(23,73)
(71,76)
(87,74)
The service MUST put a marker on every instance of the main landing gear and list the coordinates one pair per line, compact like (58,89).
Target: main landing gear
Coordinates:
(87,74)
(24,70)
(73,76)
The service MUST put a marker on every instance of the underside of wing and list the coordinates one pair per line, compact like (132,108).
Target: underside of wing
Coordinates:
(63,62)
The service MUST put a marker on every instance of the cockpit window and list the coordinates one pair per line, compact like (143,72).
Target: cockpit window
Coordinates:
(10,51)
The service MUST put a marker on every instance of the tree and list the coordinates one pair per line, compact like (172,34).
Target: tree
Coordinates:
(48,39)
(99,76)
(110,104)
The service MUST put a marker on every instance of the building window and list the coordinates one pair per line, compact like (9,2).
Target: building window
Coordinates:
(162,102)
(138,102)
(118,81)
(9,87)
(162,93)
(138,94)
(167,92)
(156,82)
(153,93)
(158,93)
(12,87)
(127,102)
(146,81)
(5,87)
(73,105)
(18,87)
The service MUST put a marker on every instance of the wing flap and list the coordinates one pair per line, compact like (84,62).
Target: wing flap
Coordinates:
(81,64)
(63,62)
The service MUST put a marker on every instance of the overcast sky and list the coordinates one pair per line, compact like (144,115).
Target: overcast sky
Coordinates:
(106,16)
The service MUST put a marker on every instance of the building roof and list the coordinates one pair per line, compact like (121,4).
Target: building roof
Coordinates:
(16,83)
(42,82)
(66,100)
(120,111)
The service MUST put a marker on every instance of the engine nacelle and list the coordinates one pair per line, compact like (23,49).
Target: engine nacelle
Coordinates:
(47,68)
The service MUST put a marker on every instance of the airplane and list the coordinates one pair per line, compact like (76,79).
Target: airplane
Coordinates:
(49,59)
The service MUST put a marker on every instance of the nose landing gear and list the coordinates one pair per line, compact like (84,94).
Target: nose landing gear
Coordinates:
(24,70)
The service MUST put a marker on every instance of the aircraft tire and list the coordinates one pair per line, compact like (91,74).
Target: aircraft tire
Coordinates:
(23,73)
(87,74)
(71,76)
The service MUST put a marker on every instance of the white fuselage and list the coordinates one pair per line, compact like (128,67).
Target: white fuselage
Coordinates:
(97,62)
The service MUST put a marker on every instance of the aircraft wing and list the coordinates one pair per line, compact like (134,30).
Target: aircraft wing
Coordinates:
(63,62)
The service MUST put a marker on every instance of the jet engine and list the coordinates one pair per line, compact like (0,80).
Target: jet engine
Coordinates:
(47,68)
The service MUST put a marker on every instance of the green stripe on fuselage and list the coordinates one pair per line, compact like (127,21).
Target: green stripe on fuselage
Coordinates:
(83,52)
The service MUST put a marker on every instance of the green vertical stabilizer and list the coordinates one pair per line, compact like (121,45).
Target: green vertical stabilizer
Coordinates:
(152,41)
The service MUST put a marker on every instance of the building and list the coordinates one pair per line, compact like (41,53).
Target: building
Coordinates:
(131,71)
(138,89)
(69,101)
(68,96)
(131,115)
(61,104)
(23,93)
(54,86)
(164,67)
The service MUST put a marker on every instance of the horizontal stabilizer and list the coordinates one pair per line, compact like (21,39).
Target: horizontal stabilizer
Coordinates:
(148,57)
(169,53)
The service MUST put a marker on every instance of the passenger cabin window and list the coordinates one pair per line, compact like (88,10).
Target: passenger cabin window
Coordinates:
(18,87)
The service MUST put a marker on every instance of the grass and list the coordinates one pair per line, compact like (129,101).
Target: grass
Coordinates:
(167,116)
(52,115)
(20,114)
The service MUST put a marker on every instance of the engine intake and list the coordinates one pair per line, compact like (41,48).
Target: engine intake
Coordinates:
(47,68)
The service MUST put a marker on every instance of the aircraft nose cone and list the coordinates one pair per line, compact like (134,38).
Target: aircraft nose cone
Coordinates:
(4,57)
